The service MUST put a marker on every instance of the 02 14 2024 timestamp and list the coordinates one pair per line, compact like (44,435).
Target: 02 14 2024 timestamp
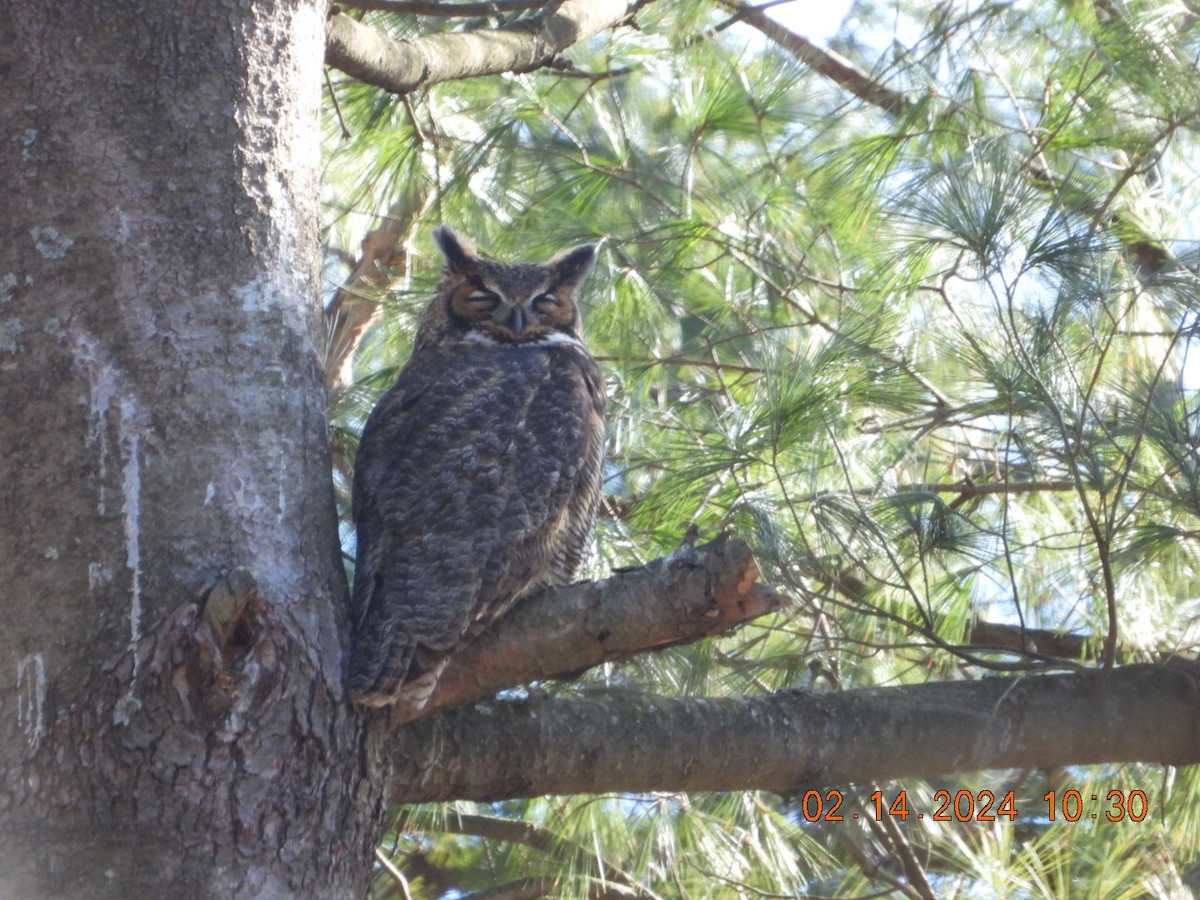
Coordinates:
(983,806)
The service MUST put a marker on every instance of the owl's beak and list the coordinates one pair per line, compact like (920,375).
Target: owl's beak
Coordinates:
(518,319)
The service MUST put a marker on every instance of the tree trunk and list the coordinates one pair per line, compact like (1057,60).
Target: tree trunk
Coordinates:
(165,423)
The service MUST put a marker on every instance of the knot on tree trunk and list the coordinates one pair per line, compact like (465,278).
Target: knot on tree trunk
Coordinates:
(209,656)
(233,613)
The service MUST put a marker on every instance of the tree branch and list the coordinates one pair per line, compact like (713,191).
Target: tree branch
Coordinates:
(795,740)
(403,66)
(545,841)
(1063,645)
(444,10)
(1151,254)
(690,594)
(355,306)
(832,65)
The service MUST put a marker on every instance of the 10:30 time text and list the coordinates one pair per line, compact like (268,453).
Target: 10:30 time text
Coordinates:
(983,806)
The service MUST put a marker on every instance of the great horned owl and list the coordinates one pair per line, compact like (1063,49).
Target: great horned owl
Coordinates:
(478,474)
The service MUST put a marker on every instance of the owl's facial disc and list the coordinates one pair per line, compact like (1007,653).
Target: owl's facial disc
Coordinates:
(488,312)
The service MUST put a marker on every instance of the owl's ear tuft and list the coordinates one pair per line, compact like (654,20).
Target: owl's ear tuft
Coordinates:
(571,266)
(459,253)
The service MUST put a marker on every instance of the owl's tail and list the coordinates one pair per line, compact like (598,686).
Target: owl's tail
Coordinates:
(410,694)
(404,677)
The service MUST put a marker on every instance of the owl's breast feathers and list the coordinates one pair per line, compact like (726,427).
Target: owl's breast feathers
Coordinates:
(477,480)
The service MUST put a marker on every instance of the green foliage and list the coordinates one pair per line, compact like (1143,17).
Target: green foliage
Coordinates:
(931,366)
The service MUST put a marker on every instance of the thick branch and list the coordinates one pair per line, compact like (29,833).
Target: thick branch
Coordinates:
(797,740)
(688,595)
(403,66)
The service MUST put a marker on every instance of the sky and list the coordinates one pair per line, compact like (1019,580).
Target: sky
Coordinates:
(817,20)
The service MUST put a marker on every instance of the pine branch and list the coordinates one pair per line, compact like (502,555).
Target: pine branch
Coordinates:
(891,836)
(693,593)
(404,66)
(797,740)
(542,839)
(393,873)
(1151,254)
(832,65)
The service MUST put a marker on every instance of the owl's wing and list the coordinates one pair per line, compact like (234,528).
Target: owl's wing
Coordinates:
(466,479)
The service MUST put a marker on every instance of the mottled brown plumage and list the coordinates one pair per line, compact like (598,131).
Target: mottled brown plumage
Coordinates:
(478,474)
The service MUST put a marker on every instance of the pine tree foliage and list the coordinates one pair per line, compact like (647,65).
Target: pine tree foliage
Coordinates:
(935,360)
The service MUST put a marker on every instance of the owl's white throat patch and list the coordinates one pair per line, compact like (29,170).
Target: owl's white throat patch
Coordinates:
(549,340)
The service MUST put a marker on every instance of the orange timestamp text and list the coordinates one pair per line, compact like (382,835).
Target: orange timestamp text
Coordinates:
(981,806)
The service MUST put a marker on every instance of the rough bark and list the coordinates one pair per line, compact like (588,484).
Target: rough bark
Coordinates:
(403,66)
(797,740)
(165,424)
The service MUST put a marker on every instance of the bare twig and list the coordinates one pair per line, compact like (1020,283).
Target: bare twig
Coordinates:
(394,873)
(890,835)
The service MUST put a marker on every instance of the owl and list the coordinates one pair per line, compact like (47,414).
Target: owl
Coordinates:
(478,474)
